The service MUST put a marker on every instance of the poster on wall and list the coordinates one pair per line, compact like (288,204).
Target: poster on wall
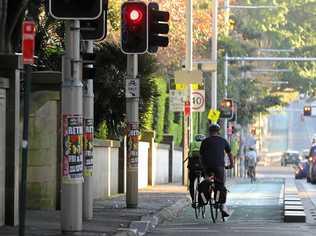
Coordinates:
(88,147)
(132,145)
(73,148)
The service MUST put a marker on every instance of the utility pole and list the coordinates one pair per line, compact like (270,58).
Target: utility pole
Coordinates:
(214,54)
(88,122)
(187,121)
(71,188)
(132,104)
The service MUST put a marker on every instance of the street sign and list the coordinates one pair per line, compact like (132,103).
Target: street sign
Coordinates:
(132,88)
(213,115)
(198,100)
(176,100)
(28,42)
(187,108)
(205,66)
(189,77)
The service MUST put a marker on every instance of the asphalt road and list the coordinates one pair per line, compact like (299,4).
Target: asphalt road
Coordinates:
(256,210)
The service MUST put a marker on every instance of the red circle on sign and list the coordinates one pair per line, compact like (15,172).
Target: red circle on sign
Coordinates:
(202,99)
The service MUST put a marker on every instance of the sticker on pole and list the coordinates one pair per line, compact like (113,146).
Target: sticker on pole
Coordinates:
(132,145)
(73,148)
(132,88)
(28,42)
(198,100)
(88,147)
(213,115)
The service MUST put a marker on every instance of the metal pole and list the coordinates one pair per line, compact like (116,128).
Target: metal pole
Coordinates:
(25,146)
(88,120)
(132,104)
(271,59)
(225,84)
(226,7)
(188,66)
(214,54)
(188,58)
(71,188)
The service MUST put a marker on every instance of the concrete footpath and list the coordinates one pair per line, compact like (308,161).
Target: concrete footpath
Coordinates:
(111,217)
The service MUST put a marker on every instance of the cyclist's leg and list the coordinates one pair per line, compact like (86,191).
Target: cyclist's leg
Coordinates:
(191,184)
(220,180)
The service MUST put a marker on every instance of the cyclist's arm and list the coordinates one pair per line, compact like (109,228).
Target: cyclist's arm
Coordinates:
(229,154)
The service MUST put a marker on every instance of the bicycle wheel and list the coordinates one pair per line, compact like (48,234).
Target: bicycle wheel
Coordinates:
(214,206)
(203,211)
(196,198)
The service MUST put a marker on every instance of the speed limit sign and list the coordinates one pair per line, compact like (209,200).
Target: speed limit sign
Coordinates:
(198,100)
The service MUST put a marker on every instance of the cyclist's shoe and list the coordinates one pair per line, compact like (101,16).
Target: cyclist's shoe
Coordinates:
(225,211)
(193,205)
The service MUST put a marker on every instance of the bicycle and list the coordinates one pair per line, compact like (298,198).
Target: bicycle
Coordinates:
(198,208)
(215,205)
(252,174)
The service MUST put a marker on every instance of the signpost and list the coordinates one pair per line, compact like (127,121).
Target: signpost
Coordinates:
(189,77)
(28,42)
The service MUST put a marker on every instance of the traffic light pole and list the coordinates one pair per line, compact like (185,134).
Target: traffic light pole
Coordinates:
(214,54)
(71,188)
(132,104)
(88,120)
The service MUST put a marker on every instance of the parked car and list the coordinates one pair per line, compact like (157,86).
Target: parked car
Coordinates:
(290,157)
(311,175)
(301,170)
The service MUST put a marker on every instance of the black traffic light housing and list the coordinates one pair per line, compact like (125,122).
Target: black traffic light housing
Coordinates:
(158,27)
(75,9)
(307,110)
(226,109)
(134,27)
(95,29)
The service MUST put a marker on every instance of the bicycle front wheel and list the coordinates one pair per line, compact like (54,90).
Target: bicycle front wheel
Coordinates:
(196,198)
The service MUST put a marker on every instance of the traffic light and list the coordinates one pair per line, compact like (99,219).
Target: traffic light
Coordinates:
(95,29)
(226,108)
(158,27)
(134,27)
(307,111)
(75,9)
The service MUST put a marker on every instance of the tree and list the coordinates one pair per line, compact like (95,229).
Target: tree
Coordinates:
(11,17)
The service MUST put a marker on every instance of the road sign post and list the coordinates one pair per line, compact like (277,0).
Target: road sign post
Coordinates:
(28,42)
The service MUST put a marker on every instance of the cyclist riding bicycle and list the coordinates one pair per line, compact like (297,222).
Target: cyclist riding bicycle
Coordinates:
(194,164)
(251,156)
(212,151)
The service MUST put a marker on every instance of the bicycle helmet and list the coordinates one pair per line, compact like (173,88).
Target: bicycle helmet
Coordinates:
(214,127)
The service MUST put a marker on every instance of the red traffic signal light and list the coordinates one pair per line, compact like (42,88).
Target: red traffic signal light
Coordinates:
(75,9)
(134,27)
(158,27)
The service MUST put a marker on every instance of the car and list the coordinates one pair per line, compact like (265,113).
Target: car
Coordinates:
(311,175)
(290,157)
(301,170)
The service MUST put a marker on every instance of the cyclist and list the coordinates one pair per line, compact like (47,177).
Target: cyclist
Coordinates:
(212,152)
(251,156)
(194,163)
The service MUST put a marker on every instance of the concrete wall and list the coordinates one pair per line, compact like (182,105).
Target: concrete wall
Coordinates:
(177,164)
(162,163)
(2,153)
(105,169)
(42,162)
(143,164)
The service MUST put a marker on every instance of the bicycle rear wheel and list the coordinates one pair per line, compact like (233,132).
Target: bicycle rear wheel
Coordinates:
(214,206)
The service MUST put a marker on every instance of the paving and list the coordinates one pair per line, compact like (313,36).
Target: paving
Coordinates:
(111,217)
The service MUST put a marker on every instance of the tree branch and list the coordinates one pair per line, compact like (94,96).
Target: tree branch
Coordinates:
(3,22)
(16,18)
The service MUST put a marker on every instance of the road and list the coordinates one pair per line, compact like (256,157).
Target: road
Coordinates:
(256,210)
